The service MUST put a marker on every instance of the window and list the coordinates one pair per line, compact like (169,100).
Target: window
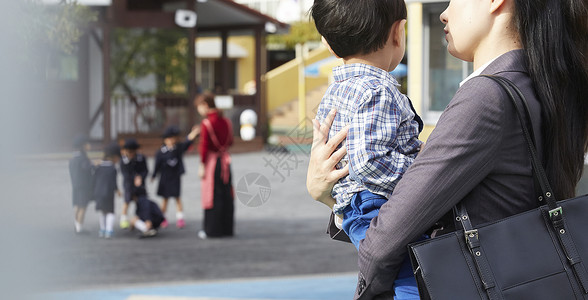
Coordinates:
(443,72)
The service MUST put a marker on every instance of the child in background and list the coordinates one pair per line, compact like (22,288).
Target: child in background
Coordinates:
(133,166)
(170,164)
(104,189)
(382,141)
(80,171)
(148,215)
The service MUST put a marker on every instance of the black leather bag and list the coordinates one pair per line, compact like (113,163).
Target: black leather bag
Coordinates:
(539,254)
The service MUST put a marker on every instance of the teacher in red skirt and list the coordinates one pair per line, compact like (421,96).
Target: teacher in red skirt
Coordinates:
(215,169)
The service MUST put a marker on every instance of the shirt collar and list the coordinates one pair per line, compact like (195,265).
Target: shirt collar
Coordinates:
(478,71)
(344,72)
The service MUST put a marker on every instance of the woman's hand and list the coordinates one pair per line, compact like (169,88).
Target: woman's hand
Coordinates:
(322,175)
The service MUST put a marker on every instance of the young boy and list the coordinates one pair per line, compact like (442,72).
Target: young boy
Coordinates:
(169,163)
(149,217)
(104,189)
(80,171)
(382,141)
(133,167)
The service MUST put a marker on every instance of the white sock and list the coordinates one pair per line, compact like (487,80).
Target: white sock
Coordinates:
(179,215)
(102,220)
(123,218)
(78,226)
(141,225)
(110,222)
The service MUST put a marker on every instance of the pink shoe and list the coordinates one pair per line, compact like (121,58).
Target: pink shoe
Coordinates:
(180,223)
(164,224)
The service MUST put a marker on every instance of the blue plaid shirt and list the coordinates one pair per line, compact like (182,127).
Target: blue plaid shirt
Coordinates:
(383,137)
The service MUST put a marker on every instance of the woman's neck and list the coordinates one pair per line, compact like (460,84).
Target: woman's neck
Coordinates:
(501,39)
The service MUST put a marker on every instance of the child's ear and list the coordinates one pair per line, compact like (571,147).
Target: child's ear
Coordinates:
(324,41)
(398,33)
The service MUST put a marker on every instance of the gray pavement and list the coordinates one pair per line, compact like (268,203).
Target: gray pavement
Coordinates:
(282,237)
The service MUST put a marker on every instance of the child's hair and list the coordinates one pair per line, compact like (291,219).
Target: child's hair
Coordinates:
(356,27)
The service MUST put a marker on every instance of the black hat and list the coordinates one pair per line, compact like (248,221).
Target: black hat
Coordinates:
(131,144)
(171,131)
(112,150)
(80,141)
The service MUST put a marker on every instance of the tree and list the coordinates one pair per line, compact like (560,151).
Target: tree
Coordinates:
(300,32)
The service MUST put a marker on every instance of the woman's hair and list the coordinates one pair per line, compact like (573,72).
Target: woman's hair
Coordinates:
(206,98)
(554,34)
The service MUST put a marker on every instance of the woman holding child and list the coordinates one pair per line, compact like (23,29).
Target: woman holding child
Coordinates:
(476,155)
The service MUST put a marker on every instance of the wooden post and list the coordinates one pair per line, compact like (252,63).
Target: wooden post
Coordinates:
(191,5)
(224,62)
(106,32)
(260,68)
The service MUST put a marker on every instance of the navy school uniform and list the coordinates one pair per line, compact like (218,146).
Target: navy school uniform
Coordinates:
(105,186)
(148,210)
(131,168)
(80,171)
(169,162)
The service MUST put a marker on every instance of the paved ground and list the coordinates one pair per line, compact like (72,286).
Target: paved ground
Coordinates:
(282,237)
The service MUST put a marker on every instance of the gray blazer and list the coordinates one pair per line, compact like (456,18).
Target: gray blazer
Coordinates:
(475,155)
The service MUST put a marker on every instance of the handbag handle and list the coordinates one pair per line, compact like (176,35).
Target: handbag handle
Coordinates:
(555,213)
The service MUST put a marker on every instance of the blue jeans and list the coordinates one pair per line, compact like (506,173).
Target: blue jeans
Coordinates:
(357,216)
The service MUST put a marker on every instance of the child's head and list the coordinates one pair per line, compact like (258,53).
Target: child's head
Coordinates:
(352,27)
(170,136)
(130,147)
(112,152)
(82,143)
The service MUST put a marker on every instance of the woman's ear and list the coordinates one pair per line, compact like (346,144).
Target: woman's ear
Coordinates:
(497,4)
(397,33)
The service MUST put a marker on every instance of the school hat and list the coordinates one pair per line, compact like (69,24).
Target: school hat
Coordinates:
(80,141)
(171,131)
(112,150)
(131,144)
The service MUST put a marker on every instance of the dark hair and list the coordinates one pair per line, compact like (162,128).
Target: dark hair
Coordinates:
(554,34)
(206,98)
(356,27)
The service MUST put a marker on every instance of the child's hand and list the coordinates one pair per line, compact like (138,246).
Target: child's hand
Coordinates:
(194,133)
(138,180)
(152,179)
(201,171)
(118,193)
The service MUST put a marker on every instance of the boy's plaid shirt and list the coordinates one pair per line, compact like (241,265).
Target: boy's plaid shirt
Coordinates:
(383,136)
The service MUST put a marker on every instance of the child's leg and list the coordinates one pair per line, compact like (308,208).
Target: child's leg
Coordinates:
(77,224)
(80,213)
(102,222)
(179,214)
(109,220)
(363,208)
(164,205)
(124,222)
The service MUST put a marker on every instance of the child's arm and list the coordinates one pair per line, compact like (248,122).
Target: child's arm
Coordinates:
(157,166)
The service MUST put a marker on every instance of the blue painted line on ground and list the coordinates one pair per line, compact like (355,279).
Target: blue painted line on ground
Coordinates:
(331,287)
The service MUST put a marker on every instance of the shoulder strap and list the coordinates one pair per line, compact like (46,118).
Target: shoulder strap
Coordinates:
(212,135)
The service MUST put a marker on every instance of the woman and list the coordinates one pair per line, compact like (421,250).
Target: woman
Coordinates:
(216,136)
(476,155)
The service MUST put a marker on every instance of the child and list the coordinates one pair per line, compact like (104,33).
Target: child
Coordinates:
(80,171)
(169,162)
(133,167)
(104,189)
(149,217)
(383,128)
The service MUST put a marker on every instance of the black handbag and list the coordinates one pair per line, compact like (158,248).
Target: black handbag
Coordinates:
(538,254)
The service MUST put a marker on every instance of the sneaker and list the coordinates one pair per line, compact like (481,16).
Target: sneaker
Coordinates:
(108,234)
(101,233)
(124,224)
(180,223)
(149,233)
(202,235)
(164,224)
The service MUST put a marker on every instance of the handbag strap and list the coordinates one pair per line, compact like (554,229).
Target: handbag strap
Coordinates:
(554,213)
